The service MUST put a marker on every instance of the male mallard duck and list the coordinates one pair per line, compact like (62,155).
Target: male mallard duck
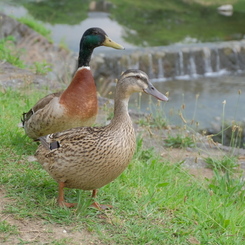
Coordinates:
(77,105)
(90,157)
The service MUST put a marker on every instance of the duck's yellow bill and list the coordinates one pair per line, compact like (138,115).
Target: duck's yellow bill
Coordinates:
(109,43)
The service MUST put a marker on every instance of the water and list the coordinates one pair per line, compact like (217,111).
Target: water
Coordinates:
(207,109)
(204,100)
(160,24)
(71,35)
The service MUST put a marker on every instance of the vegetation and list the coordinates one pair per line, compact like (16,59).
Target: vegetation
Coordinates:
(36,26)
(178,19)
(41,68)
(9,53)
(66,12)
(179,141)
(155,201)
(225,164)
(182,21)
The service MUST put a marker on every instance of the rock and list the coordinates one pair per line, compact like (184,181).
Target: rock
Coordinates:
(226,10)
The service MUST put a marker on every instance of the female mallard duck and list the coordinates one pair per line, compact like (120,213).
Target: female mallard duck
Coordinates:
(90,157)
(77,105)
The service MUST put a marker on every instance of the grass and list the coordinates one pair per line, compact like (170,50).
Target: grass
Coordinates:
(155,201)
(179,141)
(225,164)
(7,230)
(41,68)
(36,26)
(9,53)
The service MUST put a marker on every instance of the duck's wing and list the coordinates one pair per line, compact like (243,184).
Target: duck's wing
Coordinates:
(39,105)
(71,136)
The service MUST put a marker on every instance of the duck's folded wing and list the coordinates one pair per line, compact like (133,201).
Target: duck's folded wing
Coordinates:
(56,140)
(39,105)
(45,100)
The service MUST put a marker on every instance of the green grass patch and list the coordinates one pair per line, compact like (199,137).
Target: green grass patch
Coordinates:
(41,68)
(9,53)
(6,230)
(36,26)
(155,201)
(224,164)
(179,141)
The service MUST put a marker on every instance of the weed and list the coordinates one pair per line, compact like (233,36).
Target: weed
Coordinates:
(179,141)
(6,230)
(9,53)
(6,227)
(63,44)
(225,164)
(36,26)
(153,122)
(41,68)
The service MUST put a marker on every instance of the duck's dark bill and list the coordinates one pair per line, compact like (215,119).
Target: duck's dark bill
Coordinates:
(109,43)
(154,92)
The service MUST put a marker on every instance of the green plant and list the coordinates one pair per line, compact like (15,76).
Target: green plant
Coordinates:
(41,68)
(6,227)
(152,121)
(225,164)
(6,230)
(179,141)
(36,26)
(9,53)
(63,44)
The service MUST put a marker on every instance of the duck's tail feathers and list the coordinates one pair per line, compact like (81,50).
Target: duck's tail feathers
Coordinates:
(49,145)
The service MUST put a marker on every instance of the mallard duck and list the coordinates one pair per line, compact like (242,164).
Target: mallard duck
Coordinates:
(88,158)
(77,105)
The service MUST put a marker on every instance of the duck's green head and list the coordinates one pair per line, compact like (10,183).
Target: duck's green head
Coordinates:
(95,37)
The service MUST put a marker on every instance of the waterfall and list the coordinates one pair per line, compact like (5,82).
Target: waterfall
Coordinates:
(181,64)
(217,60)
(150,62)
(192,66)
(207,62)
(160,68)
(236,50)
(177,61)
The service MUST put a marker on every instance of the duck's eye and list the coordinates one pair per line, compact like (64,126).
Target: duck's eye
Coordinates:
(137,77)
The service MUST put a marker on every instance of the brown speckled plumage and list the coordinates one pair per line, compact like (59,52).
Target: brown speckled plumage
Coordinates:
(76,106)
(90,157)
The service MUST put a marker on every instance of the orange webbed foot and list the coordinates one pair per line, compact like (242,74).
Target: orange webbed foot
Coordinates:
(67,204)
(100,206)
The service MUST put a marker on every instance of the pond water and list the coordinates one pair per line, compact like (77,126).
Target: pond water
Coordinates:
(154,23)
(206,100)
(151,27)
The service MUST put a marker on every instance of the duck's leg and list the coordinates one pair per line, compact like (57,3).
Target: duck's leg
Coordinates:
(94,193)
(61,200)
(97,205)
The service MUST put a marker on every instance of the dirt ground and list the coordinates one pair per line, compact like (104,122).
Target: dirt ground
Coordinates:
(38,232)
